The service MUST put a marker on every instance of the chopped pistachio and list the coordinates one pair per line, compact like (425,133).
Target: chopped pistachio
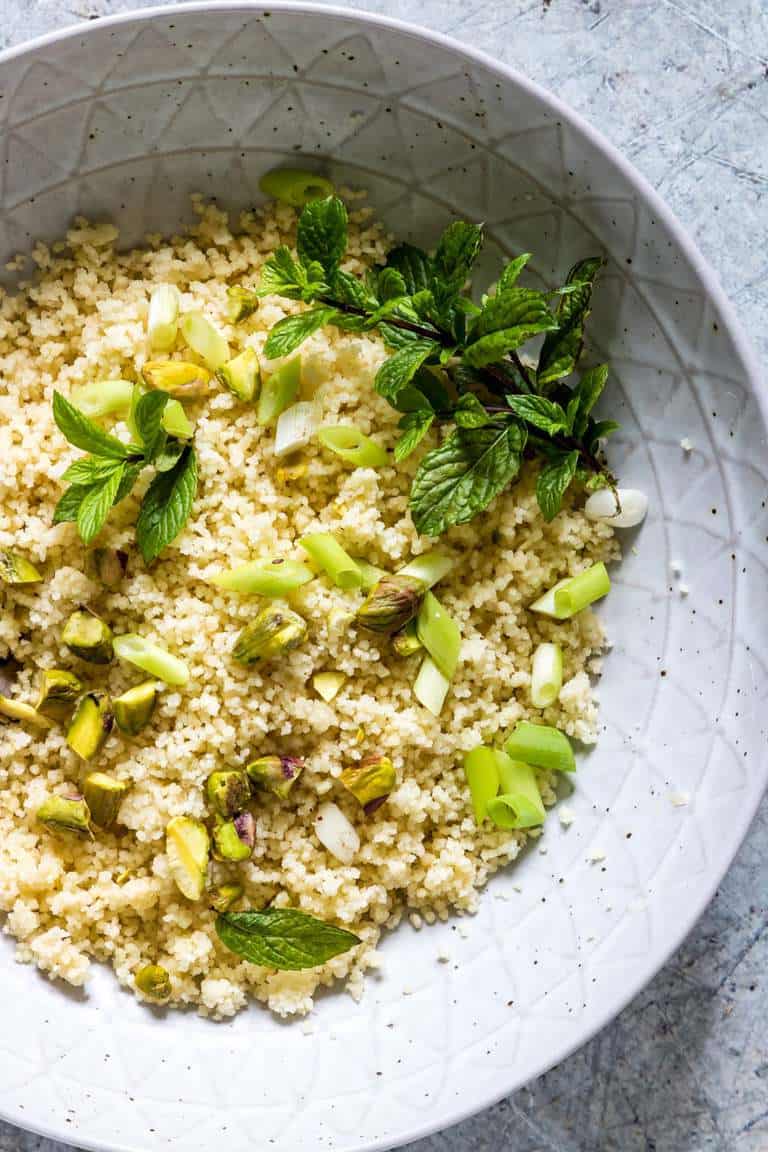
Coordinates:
(275,774)
(240,304)
(91,725)
(406,641)
(370,781)
(242,375)
(228,792)
(88,637)
(291,472)
(107,565)
(233,840)
(187,845)
(65,814)
(275,631)
(103,795)
(153,981)
(179,378)
(59,691)
(24,713)
(15,569)
(390,604)
(223,896)
(328,684)
(133,709)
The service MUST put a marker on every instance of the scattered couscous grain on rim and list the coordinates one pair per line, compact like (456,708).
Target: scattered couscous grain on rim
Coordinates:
(69,901)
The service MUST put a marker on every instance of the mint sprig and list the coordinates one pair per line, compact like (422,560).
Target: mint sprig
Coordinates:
(283,938)
(102,479)
(503,407)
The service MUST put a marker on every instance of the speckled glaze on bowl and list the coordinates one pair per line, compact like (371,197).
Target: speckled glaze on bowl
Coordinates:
(125,118)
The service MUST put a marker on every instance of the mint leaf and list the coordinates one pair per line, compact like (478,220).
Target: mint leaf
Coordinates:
(426,390)
(292,331)
(69,503)
(540,413)
(515,308)
(462,476)
(131,474)
(415,426)
(587,393)
(89,470)
(397,337)
(456,252)
(391,284)
(95,505)
(489,349)
(398,371)
(552,482)
(413,264)
(170,453)
(166,505)
(321,234)
(147,418)
(470,413)
(348,289)
(561,349)
(511,272)
(83,433)
(600,430)
(283,938)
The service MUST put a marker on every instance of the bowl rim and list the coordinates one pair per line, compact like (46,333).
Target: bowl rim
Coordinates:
(453,1115)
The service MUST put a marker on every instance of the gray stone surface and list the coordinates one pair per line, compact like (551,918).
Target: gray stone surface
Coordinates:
(681,86)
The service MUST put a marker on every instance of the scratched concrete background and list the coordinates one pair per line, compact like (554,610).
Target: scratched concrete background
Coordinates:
(681,86)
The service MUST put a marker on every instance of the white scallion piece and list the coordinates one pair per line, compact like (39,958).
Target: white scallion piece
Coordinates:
(631,509)
(201,336)
(328,684)
(336,833)
(295,428)
(430,568)
(163,322)
(431,687)
(546,675)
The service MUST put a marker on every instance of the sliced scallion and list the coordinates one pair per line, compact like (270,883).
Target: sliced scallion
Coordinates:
(519,803)
(431,687)
(295,186)
(272,578)
(352,445)
(151,658)
(481,769)
(546,675)
(295,428)
(175,421)
(429,568)
(326,551)
(570,596)
(542,746)
(328,684)
(163,321)
(201,336)
(278,391)
(371,574)
(439,634)
(103,398)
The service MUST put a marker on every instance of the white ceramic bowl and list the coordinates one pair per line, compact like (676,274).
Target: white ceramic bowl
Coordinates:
(125,118)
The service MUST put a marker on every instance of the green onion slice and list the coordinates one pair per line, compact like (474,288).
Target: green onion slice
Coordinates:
(519,804)
(163,320)
(272,578)
(546,675)
(371,574)
(151,658)
(570,596)
(431,687)
(174,420)
(481,769)
(326,551)
(278,391)
(541,746)
(439,634)
(295,186)
(352,445)
(429,568)
(103,398)
(201,336)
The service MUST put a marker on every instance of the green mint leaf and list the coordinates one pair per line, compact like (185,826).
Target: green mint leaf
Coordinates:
(89,470)
(289,333)
(414,266)
(587,393)
(391,284)
(571,413)
(69,503)
(131,474)
(489,349)
(321,234)
(95,505)
(470,413)
(147,417)
(540,413)
(391,307)
(561,349)
(283,938)
(600,430)
(456,252)
(395,337)
(348,289)
(415,426)
(83,433)
(170,453)
(400,369)
(510,273)
(166,505)
(426,390)
(460,478)
(552,482)
(515,308)
(281,275)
